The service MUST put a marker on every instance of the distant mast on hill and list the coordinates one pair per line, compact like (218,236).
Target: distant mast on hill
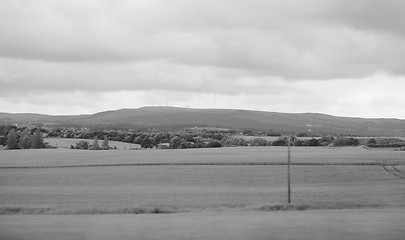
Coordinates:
(215,98)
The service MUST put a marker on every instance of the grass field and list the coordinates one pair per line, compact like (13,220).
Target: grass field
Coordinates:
(67,142)
(239,155)
(355,224)
(195,182)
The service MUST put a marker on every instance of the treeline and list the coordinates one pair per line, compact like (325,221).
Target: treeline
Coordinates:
(95,146)
(295,141)
(32,137)
(128,136)
(322,141)
(23,139)
(386,143)
(188,138)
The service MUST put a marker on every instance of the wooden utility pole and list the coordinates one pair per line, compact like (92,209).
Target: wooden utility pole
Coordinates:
(288,166)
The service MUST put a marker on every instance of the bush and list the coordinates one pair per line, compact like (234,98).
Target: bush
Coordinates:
(313,142)
(280,142)
(235,142)
(392,145)
(341,142)
(199,145)
(298,142)
(387,143)
(214,144)
(258,142)
(82,145)
(371,141)
(325,141)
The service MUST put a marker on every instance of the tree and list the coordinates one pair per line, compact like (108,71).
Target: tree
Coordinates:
(25,141)
(242,142)
(338,142)
(147,143)
(184,144)
(312,142)
(128,139)
(3,140)
(371,141)
(95,145)
(12,140)
(38,140)
(105,146)
(354,142)
(138,140)
(325,141)
(175,142)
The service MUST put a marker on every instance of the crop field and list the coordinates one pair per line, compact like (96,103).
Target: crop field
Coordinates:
(194,184)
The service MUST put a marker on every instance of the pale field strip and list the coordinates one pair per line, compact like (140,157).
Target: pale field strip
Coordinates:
(219,156)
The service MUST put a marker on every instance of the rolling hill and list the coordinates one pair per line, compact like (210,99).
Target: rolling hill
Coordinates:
(172,117)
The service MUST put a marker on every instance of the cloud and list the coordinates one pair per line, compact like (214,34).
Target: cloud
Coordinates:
(291,40)
(242,50)
(370,15)
(21,76)
(378,95)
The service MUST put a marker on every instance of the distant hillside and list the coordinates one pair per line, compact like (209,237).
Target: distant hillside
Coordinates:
(171,117)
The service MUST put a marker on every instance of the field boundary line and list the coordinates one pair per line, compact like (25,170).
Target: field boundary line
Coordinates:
(394,171)
(198,164)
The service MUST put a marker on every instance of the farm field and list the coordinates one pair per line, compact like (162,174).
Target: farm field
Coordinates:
(238,155)
(67,142)
(369,224)
(54,186)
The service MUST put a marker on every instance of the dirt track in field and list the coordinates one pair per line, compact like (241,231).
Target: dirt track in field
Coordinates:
(394,171)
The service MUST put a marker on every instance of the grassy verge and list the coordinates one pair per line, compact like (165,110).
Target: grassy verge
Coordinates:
(170,209)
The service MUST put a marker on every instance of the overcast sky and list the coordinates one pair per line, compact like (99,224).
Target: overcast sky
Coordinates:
(339,57)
